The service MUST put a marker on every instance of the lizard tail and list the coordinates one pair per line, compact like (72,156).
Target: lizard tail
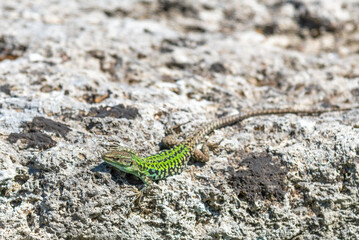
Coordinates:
(198,135)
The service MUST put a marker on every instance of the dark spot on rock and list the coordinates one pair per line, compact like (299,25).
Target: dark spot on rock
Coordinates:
(355,92)
(269,29)
(5,89)
(164,49)
(39,81)
(181,7)
(258,177)
(168,45)
(33,139)
(116,12)
(92,124)
(167,78)
(195,28)
(311,88)
(96,98)
(41,123)
(10,49)
(317,25)
(21,178)
(109,63)
(217,67)
(327,105)
(16,202)
(46,88)
(30,220)
(99,54)
(118,111)
(177,65)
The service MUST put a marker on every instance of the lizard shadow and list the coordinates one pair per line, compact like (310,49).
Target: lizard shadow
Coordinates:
(117,176)
(195,163)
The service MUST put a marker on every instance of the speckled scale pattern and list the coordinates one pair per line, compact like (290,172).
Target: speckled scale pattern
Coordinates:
(166,163)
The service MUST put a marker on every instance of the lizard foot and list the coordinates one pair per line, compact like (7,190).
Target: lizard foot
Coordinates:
(139,194)
(201,155)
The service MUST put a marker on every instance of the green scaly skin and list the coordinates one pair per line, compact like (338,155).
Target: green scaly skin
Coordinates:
(172,161)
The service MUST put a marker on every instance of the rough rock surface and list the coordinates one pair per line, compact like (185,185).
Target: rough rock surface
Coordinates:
(76,74)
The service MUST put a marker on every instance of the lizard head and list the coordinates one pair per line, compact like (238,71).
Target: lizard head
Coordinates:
(125,160)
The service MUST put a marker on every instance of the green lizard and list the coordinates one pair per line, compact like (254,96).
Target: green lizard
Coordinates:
(172,161)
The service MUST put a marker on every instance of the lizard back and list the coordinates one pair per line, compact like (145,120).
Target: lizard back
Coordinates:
(166,163)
